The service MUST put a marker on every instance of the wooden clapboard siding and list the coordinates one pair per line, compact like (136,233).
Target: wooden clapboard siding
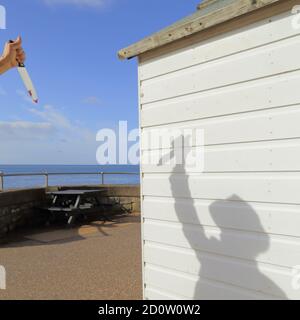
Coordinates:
(277,219)
(246,97)
(272,59)
(273,30)
(268,156)
(234,271)
(261,187)
(231,231)
(153,293)
(238,128)
(183,284)
(248,246)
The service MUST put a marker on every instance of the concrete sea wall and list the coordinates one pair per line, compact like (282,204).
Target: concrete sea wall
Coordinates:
(18,208)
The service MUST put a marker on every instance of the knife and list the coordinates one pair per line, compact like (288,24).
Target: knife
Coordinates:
(27,81)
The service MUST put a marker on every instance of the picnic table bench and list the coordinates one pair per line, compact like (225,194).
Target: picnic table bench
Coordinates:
(72,203)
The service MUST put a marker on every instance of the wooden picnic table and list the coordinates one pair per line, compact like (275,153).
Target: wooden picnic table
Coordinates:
(74,202)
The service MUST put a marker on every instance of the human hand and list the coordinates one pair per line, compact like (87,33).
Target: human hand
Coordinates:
(12,56)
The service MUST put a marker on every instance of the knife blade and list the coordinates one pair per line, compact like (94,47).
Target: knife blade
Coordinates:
(27,82)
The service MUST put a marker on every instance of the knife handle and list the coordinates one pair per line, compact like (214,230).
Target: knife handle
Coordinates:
(21,65)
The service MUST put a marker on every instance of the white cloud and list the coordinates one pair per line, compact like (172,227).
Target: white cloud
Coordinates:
(53,116)
(67,129)
(80,3)
(51,139)
(24,130)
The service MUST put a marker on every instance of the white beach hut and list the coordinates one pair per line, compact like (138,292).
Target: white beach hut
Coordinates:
(233,231)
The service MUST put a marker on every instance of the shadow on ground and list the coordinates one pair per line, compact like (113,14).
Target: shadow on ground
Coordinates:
(59,232)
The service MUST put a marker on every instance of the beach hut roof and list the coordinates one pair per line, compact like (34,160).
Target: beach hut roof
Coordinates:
(210,13)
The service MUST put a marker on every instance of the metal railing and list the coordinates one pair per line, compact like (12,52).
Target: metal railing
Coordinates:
(46,176)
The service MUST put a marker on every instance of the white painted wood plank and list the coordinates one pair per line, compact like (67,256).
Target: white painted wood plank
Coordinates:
(261,94)
(158,294)
(261,33)
(268,279)
(262,62)
(256,217)
(258,187)
(247,127)
(271,249)
(282,155)
(193,287)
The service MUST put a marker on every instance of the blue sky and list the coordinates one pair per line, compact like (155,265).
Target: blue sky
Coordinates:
(71,48)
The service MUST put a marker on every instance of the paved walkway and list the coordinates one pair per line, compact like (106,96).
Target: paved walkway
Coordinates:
(96,261)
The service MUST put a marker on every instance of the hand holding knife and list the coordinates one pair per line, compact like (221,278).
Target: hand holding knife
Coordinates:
(26,79)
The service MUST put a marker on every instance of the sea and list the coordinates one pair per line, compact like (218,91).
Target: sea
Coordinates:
(84,179)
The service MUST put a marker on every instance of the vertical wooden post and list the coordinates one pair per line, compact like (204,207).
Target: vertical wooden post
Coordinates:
(1,181)
(46,180)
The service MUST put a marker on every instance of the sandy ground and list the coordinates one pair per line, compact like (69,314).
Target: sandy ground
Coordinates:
(96,261)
